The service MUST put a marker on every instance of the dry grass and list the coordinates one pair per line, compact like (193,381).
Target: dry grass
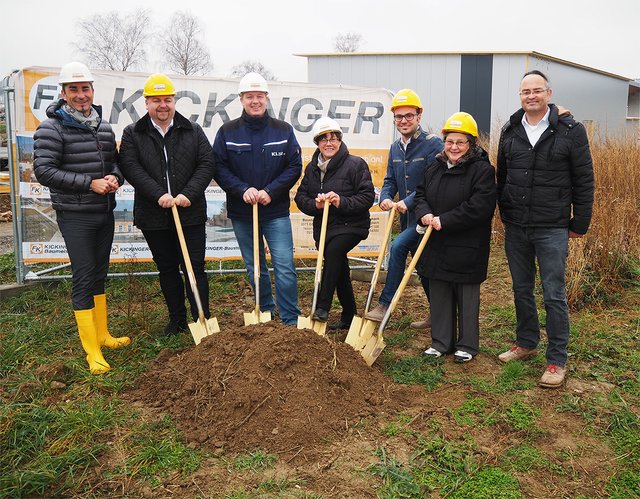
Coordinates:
(600,263)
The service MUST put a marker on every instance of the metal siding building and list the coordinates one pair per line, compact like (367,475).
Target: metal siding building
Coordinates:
(484,84)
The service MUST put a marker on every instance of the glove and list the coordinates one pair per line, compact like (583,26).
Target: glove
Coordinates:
(420,229)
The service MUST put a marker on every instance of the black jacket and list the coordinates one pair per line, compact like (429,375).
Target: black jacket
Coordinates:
(349,177)
(550,184)
(69,155)
(464,197)
(190,170)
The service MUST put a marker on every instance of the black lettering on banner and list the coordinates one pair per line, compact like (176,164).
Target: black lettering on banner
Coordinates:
(374,120)
(282,114)
(313,117)
(333,113)
(213,109)
(194,97)
(120,105)
(41,96)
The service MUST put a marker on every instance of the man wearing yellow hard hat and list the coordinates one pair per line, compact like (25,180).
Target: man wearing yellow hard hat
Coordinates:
(408,158)
(168,160)
(75,156)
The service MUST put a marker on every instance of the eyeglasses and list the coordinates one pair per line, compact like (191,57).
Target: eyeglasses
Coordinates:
(459,143)
(324,140)
(535,91)
(399,117)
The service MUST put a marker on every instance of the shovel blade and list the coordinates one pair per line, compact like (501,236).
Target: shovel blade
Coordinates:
(354,331)
(200,330)
(365,334)
(373,349)
(320,327)
(254,317)
(305,322)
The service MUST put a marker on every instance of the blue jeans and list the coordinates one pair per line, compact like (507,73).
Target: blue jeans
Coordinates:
(404,243)
(550,246)
(279,238)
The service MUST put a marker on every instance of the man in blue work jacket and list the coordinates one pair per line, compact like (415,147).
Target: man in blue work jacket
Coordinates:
(258,162)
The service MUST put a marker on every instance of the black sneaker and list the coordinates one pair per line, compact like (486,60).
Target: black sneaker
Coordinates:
(174,327)
(320,315)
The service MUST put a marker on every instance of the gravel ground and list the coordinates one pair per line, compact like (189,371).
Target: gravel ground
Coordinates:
(6,237)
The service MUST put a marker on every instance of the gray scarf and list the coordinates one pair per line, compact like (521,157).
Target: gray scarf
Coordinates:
(91,121)
(322,166)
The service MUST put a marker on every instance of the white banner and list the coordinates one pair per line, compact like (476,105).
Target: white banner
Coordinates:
(363,114)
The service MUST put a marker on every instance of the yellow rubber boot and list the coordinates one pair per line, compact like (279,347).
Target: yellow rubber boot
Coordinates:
(104,338)
(89,340)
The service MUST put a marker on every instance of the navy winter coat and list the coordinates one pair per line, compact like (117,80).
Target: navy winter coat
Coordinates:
(257,152)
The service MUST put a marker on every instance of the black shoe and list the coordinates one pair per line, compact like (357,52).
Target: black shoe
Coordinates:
(320,315)
(339,325)
(174,327)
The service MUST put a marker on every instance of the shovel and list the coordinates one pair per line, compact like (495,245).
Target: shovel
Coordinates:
(204,327)
(256,317)
(308,322)
(362,329)
(376,344)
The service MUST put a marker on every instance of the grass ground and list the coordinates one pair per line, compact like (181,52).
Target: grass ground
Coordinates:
(478,430)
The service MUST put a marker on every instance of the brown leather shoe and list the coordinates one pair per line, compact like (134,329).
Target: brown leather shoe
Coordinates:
(517,353)
(425,324)
(553,376)
(377,314)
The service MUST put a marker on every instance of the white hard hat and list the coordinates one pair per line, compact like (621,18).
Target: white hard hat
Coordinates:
(75,72)
(253,82)
(325,125)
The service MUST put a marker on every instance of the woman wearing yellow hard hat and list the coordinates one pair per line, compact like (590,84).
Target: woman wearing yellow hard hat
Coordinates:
(457,198)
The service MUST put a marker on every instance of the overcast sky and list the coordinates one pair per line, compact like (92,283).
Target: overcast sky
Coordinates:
(601,34)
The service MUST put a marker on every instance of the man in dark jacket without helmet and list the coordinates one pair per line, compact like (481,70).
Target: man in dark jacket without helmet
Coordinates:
(545,196)
(75,156)
(168,160)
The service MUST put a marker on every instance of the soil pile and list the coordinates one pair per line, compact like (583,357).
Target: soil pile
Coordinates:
(271,387)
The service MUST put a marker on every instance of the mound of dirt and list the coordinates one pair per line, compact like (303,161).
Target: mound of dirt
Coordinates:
(271,387)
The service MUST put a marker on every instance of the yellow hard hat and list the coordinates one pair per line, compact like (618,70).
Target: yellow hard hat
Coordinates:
(462,123)
(158,84)
(406,97)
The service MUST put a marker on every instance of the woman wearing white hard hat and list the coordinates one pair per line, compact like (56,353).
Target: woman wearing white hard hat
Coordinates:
(456,197)
(345,181)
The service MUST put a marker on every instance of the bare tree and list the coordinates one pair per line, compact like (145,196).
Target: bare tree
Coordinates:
(249,66)
(113,41)
(347,42)
(186,52)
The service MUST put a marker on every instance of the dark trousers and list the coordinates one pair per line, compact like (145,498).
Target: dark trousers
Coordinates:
(165,248)
(455,316)
(88,237)
(336,275)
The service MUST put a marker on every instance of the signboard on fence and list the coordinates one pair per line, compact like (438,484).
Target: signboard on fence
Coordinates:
(363,114)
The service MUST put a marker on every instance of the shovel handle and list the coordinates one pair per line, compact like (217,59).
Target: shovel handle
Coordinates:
(187,263)
(383,250)
(323,237)
(256,257)
(405,280)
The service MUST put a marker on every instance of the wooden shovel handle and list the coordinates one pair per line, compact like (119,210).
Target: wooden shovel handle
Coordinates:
(323,237)
(187,262)
(256,257)
(383,250)
(405,280)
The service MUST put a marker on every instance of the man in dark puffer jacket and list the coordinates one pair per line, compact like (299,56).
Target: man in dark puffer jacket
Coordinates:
(75,156)
(168,160)
(545,196)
